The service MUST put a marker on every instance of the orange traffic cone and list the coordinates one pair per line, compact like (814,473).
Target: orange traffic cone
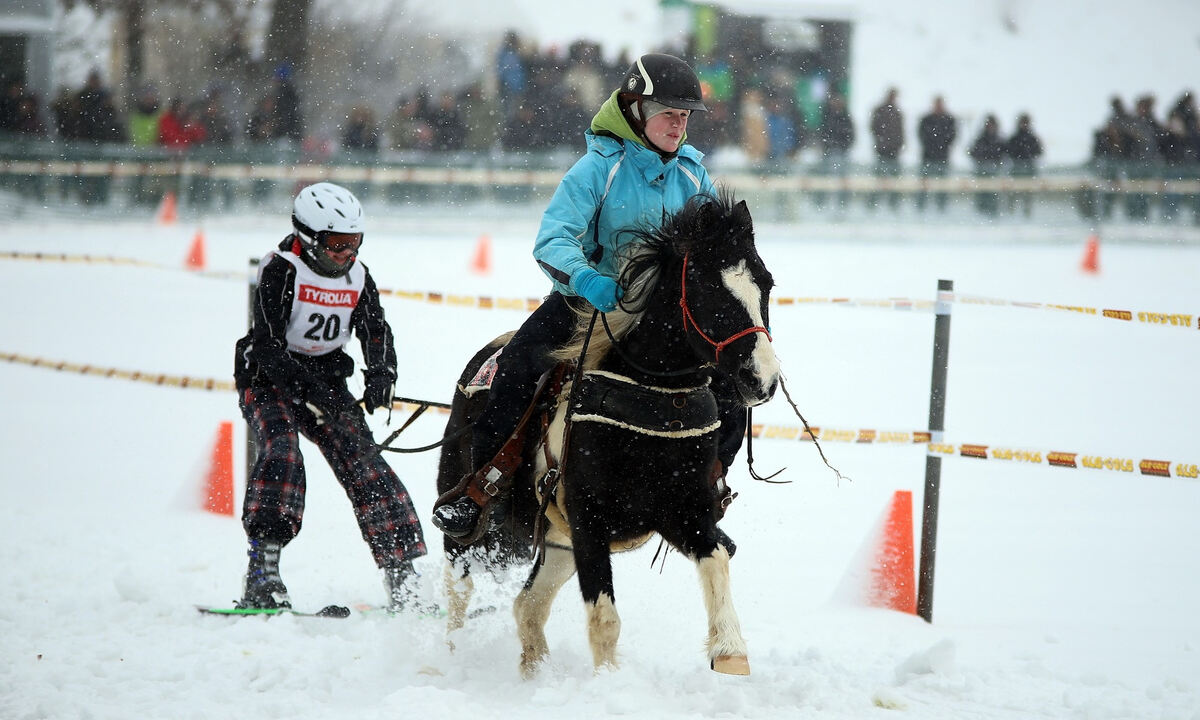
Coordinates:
(1091,254)
(195,259)
(481,263)
(167,213)
(882,573)
(218,487)
(893,578)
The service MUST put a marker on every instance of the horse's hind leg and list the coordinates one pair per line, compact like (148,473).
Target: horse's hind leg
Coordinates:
(531,609)
(726,646)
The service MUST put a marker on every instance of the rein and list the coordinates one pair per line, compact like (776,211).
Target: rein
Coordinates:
(689,320)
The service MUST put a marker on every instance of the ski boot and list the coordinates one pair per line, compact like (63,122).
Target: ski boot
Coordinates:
(262,587)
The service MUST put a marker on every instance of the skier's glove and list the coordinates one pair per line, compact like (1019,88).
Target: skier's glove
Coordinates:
(379,390)
(602,292)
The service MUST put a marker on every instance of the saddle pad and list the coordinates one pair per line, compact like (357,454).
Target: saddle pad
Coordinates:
(484,376)
(668,412)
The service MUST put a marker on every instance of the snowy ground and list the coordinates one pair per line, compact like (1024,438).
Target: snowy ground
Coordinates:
(1060,593)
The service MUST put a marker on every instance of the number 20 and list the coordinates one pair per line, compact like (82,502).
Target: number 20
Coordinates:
(324,328)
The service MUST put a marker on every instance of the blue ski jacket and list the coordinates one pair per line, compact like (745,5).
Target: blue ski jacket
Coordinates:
(618,184)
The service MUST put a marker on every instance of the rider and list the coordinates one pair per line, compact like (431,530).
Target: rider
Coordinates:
(290,371)
(637,171)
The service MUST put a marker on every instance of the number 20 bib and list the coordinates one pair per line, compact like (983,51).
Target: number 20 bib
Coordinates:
(321,307)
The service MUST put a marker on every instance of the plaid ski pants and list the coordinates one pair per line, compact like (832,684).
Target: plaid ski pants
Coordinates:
(274,501)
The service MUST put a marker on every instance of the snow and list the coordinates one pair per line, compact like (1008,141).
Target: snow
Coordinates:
(1060,593)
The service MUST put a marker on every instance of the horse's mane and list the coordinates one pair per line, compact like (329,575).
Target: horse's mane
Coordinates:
(704,222)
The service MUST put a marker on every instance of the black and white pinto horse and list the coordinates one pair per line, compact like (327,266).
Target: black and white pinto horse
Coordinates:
(642,439)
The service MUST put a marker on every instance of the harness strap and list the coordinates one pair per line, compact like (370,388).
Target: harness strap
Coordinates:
(689,320)
(496,476)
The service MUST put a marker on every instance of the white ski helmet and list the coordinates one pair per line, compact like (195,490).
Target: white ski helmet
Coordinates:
(319,211)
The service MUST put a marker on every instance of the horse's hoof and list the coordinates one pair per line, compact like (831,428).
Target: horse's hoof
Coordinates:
(731,664)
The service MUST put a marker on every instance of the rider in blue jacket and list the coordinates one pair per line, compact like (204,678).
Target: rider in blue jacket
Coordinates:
(636,172)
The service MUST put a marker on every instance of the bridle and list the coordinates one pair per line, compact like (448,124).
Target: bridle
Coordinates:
(689,320)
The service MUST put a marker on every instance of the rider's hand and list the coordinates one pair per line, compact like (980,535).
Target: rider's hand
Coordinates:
(601,291)
(379,391)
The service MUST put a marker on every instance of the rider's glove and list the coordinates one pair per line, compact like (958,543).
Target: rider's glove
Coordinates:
(601,291)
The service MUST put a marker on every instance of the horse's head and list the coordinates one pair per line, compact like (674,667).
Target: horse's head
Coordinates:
(723,291)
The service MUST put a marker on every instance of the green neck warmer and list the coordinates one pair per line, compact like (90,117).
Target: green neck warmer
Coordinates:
(610,119)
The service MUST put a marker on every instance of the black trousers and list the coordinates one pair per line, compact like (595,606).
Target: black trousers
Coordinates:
(524,359)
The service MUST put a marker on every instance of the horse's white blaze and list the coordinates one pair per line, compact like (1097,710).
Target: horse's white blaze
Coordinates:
(765,365)
(531,608)
(724,630)
(604,627)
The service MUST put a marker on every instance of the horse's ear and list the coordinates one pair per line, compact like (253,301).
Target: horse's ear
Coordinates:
(741,213)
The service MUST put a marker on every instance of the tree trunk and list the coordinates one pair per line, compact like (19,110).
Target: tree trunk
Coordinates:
(287,38)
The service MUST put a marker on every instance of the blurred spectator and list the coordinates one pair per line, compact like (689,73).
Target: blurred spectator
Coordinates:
(10,101)
(1023,148)
(449,131)
(887,132)
(1179,159)
(1141,156)
(281,118)
(408,128)
(97,114)
(585,74)
(361,134)
(179,128)
(481,117)
(836,134)
(65,109)
(211,115)
(936,133)
(143,118)
(987,152)
(262,125)
(783,134)
(1108,153)
(28,117)
(510,74)
(754,126)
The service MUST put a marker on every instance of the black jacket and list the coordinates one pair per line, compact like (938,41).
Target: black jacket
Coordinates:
(262,358)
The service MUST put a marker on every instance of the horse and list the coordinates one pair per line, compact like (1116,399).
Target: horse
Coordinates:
(639,455)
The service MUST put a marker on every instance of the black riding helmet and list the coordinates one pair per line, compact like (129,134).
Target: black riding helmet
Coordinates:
(665,79)
(662,79)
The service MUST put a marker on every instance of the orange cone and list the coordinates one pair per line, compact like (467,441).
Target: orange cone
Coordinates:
(893,577)
(195,258)
(168,213)
(1091,254)
(218,488)
(481,263)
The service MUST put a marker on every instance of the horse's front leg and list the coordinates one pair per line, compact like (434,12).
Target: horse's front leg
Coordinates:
(593,558)
(531,609)
(726,646)
(459,586)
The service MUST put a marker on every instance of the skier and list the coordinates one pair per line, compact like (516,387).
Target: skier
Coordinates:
(637,171)
(290,371)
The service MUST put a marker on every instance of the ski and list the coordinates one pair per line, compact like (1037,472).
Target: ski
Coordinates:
(329,611)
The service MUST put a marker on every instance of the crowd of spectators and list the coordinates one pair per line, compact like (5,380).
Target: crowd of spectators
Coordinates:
(541,100)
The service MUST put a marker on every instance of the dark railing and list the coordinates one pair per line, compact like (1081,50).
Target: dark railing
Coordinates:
(209,179)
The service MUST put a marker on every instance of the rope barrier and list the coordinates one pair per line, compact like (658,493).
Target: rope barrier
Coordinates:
(862,436)
(487,302)
(161,379)
(938,448)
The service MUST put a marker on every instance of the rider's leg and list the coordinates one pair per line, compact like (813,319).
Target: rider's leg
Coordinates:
(520,365)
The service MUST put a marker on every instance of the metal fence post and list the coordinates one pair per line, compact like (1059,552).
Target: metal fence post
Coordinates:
(933,461)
